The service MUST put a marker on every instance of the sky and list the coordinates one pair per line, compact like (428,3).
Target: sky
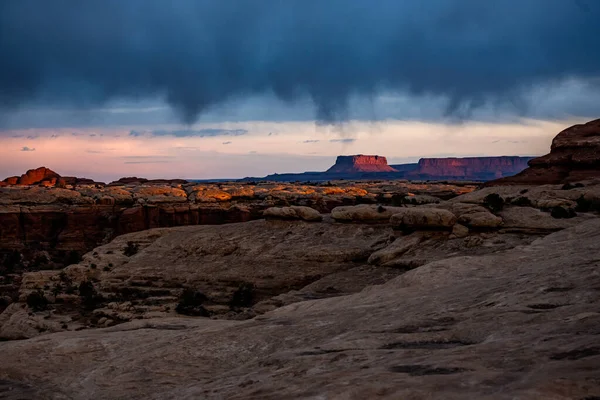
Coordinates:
(211,89)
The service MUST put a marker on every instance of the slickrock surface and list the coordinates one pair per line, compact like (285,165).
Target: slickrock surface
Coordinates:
(574,156)
(59,221)
(518,323)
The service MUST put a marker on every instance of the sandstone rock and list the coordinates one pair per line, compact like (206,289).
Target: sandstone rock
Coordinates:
(460,231)
(364,213)
(531,219)
(396,249)
(293,212)
(423,218)
(38,175)
(481,219)
(502,325)
(360,163)
(574,156)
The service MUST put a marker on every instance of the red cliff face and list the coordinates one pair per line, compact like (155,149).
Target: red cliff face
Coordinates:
(476,168)
(574,156)
(360,163)
(35,176)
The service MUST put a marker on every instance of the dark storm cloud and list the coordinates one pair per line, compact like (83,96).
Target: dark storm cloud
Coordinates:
(191,132)
(199,54)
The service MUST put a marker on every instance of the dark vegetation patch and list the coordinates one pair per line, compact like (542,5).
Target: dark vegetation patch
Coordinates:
(131,249)
(190,303)
(577,354)
(421,370)
(587,205)
(243,296)
(493,202)
(562,212)
(36,301)
(90,299)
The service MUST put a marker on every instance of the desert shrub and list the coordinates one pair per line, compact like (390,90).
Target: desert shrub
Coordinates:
(11,261)
(89,297)
(36,301)
(131,249)
(562,212)
(587,205)
(243,296)
(72,257)
(190,303)
(494,202)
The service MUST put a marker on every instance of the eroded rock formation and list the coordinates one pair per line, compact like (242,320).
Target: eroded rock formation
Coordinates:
(360,163)
(574,156)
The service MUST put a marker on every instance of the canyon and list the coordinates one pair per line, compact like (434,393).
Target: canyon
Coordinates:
(337,289)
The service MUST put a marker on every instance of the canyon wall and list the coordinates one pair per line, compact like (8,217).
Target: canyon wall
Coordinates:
(475,168)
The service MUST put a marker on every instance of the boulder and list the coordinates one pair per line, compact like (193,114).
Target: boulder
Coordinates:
(460,231)
(423,218)
(480,219)
(293,212)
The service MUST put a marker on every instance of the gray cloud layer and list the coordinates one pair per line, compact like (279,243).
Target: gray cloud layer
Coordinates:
(198,54)
(209,132)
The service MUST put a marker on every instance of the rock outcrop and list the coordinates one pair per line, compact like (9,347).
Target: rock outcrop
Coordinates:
(360,163)
(574,156)
(519,322)
(292,213)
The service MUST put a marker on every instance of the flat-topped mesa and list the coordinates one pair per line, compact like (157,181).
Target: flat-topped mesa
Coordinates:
(360,163)
(574,156)
(473,167)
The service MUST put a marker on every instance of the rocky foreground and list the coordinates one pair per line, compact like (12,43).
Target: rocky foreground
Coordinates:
(491,293)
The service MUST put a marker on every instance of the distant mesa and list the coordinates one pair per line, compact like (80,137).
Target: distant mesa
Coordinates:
(362,166)
(360,163)
(574,156)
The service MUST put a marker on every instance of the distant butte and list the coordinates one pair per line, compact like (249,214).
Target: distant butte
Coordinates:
(376,167)
(360,163)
